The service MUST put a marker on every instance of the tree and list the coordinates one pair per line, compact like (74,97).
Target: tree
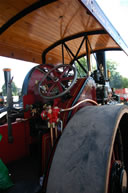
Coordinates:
(125,82)
(14,89)
(112,66)
(81,72)
(116,80)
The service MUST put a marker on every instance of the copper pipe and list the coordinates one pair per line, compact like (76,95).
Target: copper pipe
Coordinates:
(56,132)
(51,133)
(83,101)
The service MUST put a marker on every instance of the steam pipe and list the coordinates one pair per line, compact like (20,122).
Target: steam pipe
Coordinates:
(77,104)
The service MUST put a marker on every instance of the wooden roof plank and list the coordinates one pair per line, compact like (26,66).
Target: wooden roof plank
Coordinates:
(33,32)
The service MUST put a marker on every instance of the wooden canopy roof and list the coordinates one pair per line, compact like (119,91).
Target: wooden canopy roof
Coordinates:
(28,27)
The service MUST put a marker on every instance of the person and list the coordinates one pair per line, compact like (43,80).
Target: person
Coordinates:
(1,100)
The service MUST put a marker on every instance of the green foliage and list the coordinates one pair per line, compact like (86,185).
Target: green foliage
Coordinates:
(80,71)
(116,80)
(125,82)
(14,90)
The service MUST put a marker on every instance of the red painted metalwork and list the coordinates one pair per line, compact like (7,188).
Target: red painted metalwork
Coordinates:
(84,88)
(20,147)
(46,150)
(28,100)
(123,93)
(78,94)
(34,79)
(58,81)
(51,114)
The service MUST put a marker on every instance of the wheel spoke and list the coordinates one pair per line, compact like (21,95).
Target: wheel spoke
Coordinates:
(48,81)
(113,156)
(50,89)
(63,73)
(50,76)
(121,147)
(63,86)
(67,78)
(60,85)
(56,74)
(118,147)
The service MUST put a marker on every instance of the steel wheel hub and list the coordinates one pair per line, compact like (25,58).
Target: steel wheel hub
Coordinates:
(118,183)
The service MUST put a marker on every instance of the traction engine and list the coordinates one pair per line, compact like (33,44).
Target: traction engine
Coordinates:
(53,99)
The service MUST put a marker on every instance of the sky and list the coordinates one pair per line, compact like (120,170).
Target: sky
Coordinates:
(117,13)
(19,69)
(115,10)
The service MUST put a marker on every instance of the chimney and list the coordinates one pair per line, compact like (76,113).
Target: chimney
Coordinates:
(8,81)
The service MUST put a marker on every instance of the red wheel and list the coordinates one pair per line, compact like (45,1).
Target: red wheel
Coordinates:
(58,81)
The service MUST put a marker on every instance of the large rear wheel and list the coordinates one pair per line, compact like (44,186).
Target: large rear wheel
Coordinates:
(92,154)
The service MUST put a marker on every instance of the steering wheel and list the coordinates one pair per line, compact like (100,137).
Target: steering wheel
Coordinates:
(58,81)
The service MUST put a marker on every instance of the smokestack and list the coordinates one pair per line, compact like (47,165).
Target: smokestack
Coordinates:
(7,77)
(8,81)
(100,56)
